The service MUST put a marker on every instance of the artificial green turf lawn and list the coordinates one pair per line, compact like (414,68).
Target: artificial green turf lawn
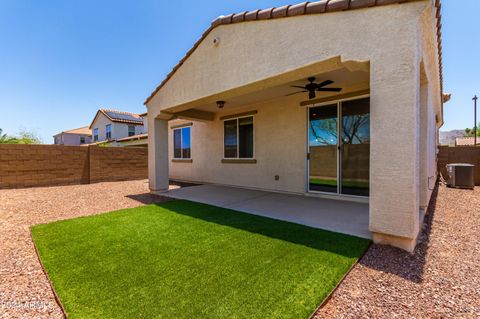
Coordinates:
(188,260)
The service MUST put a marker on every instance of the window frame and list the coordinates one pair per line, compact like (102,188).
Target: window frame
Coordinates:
(238,138)
(95,134)
(128,130)
(83,140)
(108,131)
(181,142)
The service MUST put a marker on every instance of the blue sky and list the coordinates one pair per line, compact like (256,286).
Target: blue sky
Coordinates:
(62,60)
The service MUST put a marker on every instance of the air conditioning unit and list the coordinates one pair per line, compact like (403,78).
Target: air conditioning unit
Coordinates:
(461,175)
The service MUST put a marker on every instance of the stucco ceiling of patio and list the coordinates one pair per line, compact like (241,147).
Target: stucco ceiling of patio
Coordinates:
(351,77)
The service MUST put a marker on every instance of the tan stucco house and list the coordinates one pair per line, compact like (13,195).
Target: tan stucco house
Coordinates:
(339,99)
(74,137)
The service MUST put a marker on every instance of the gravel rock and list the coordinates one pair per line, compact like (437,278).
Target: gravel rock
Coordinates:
(24,289)
(441,279)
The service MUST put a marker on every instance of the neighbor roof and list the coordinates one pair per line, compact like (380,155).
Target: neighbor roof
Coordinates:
(304,8)
(119,116)
(81,131)
(133,137)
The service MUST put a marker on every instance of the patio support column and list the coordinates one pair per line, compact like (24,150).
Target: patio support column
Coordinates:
(158,154)
(394,154)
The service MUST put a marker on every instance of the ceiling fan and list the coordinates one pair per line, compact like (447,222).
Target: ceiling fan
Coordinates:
(313,87)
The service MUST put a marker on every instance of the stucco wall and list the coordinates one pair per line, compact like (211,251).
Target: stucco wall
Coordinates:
(383,35)
(280,149)
(71,139)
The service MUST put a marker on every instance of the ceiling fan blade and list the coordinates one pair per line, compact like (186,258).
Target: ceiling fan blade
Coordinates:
(324,83)
(311,95)
(296,93)
(329,89)
(297,86)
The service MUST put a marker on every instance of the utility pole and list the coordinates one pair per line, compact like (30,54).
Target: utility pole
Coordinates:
(475,98)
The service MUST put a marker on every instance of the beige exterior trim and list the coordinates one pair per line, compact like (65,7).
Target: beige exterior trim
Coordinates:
(336,97)
(181,125)
(182,160)
(195,115)
(239,161)
(234,116)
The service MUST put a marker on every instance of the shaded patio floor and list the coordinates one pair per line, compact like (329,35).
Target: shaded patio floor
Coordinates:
(334,215)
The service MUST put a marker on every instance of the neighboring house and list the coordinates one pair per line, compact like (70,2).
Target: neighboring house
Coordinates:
(229,112)
(466,141)
(75,137)
(137,140)
(111,125)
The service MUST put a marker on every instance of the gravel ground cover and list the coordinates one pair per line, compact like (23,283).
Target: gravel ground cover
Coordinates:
(24,289)
(440,280)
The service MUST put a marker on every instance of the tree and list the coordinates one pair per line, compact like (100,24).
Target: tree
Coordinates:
(23,137)
(353,130)
(469,131)
(6,139)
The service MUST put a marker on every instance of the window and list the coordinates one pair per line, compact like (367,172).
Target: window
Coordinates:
(181,143)
(238,137)
(95,134)
(82,139)
(131,130)
(108,130)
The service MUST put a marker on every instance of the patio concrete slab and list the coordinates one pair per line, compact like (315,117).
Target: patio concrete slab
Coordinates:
(334,215)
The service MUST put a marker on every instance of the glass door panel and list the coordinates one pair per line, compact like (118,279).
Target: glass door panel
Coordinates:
(323,144)
(355,147)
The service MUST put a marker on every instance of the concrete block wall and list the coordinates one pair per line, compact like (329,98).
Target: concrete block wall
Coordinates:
(459,154)
(118,163)
(49,165)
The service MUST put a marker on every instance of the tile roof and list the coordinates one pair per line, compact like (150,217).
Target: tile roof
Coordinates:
(322,6)
(120,117)
(465,141)
(81,131)
(133,137)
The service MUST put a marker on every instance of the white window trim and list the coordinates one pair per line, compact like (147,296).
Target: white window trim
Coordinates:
(238,137)
(181,143)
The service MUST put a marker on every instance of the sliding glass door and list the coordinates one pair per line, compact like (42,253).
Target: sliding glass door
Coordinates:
(339,147)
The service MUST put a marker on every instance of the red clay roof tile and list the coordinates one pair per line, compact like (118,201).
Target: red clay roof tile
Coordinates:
(316,7)
(280,12)
(264,14)
(297,9)
(337,5)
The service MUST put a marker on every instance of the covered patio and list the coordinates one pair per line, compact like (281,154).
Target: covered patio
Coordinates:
(263,103)
(345,217)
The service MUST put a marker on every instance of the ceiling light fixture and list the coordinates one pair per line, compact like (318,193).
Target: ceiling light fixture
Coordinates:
(220,104)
